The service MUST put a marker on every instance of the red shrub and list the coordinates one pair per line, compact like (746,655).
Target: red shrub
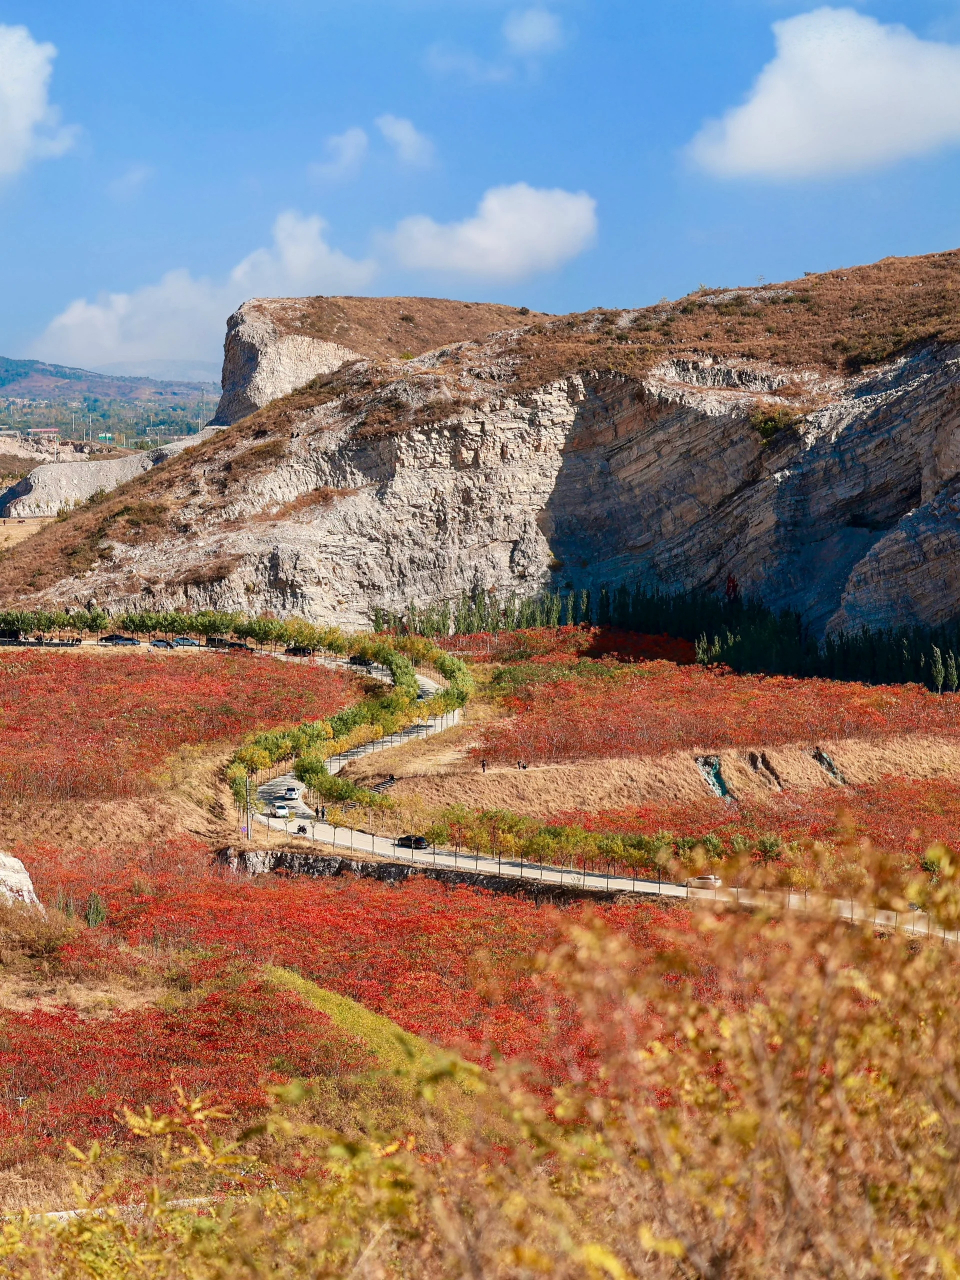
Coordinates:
(660,707)
(900,815)
(456,966)
(570,643)
(92,726)
(65,1074)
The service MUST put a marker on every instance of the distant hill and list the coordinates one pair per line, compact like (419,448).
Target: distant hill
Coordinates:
(56,382)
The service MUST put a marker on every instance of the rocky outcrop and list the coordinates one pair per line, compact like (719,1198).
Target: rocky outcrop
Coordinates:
(276,345)
(15,882)
(261,362)
(591,478)
(564,453)
(57,487)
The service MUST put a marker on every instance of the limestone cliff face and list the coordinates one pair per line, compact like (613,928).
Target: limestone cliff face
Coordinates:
(275,345)
(55,487)
(262,362)
(434,481)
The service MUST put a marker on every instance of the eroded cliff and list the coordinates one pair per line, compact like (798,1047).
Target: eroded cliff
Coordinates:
(598,448)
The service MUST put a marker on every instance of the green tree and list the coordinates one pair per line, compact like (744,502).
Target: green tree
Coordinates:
(937,672)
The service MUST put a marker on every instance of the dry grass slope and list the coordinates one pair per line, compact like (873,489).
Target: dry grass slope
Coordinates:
(391,327)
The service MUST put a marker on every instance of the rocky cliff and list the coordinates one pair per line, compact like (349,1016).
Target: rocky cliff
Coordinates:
(804,438)
(55,487)
(275,345)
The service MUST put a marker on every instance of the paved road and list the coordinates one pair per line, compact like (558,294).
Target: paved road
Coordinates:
(359,843)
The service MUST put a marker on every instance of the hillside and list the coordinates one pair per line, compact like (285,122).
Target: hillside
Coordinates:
(388,327)
(801,436)
(36,379)
(275,345)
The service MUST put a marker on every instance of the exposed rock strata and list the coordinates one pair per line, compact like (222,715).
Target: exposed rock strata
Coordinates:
(588,479)
(274,345)
(54,487)
(733,431)
(261,362)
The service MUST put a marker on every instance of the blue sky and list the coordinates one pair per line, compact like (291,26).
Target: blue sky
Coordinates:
(158,163)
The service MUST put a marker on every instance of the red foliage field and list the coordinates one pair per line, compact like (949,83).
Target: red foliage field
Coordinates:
(659,707)
(569,644)
(900,815)
(93,726)
(64,1074)
(456,966)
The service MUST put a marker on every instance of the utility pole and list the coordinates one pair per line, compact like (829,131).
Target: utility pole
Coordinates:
(248,806)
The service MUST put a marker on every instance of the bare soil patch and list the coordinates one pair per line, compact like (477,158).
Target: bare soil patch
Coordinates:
(24,994)
(13,532)
(446,778)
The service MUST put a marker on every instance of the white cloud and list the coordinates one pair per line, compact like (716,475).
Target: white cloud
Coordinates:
(30,127)
(516,231)
(183,317)
(529,32)
(844,93)
(447,61)
(346,152)
(131,183)
(412,147)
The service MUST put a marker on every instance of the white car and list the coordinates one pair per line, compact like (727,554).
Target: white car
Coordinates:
(291,793)
(705,882)
(280,811)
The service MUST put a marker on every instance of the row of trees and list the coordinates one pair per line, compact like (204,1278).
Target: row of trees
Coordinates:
(310,744)
(743,634)
(396,654)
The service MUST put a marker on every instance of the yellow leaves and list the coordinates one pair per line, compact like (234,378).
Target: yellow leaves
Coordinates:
(599,1261)
(656,1244)
(523,1255)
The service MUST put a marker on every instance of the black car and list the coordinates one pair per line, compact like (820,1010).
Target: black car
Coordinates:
(357,661)
(299,651)
(412,842)
(218,642)
(116,639)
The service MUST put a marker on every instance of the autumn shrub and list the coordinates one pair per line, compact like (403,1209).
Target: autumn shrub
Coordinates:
(800,832)
(654,708)
(795,1117)
(65,1075)
(32,932)
(96,726)
(456,966)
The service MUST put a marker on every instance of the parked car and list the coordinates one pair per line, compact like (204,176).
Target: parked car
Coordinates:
(412,842)
(705,882)
(185,642)
(357,661)
(291,793)
(162,644)
(280,811)
(218,642)
(239,644)
(118,639)
(299,651)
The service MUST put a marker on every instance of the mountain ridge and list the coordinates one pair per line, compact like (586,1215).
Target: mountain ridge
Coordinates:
(605,446)
(42,379)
